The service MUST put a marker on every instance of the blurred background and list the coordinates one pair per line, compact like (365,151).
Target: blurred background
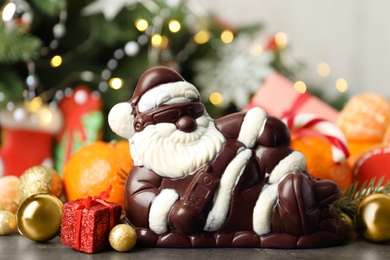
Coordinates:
(350,36)
(228,49)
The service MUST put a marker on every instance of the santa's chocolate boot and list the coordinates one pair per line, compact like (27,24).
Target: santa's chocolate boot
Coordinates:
(304,213)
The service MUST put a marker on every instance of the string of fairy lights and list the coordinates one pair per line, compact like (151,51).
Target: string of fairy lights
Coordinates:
(150,33)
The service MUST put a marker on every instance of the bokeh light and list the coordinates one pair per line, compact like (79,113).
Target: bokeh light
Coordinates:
(227,36)
(323,69)
(56,61)
(300,86)
(141,24)
(341,85)
(281,40)
(115,83)
(202,37)
(215,98)
(156,40)
(174,26)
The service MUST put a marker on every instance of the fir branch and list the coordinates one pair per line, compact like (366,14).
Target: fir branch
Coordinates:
(15,47)
(11,85)
(49,7)
(351,197)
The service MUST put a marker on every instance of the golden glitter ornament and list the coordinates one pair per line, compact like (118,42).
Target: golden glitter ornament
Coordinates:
(372,217)
(39,179)
(7,222)
(122,237)
(39,217)
(9,193)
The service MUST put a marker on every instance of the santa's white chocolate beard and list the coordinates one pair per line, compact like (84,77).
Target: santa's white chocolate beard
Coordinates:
(173,153)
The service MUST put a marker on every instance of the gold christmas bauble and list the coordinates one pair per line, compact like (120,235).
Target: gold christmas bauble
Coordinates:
(372,217)
(122,237)
(7,222)
(39,217)
(39,179)
(347,220)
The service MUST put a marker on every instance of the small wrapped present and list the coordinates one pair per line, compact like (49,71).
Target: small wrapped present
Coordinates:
(278,97)
(87,222)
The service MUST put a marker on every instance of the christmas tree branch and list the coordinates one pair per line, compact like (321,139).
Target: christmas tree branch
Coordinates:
(11,85)
(15,47)
(351,197)
(49,7)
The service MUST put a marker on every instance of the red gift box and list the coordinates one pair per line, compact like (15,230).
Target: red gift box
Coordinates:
(86,223)
(278,97)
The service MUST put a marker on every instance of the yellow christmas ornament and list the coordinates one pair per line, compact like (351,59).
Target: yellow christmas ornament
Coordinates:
(7,222)
(39,217)
(39,179)
(372,218)
(122,237)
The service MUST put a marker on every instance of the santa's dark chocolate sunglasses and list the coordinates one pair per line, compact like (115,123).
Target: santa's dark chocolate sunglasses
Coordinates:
(167,114)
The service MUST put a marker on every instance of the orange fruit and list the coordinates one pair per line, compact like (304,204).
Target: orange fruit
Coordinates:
(94,167)
(9,193)
(320,164)
(364,120)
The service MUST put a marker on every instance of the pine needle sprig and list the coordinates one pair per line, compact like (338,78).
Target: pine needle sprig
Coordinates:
(15,47)
(351,197)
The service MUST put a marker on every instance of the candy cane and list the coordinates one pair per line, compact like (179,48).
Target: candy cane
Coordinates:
(328,129)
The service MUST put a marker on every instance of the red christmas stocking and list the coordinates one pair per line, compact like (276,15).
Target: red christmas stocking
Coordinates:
(27,137)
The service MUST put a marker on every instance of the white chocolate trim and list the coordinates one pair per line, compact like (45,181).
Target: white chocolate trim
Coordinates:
(252,126)
(169,93)
(262,212)
(160,208)
(217,216)
(120,119)
(294,162)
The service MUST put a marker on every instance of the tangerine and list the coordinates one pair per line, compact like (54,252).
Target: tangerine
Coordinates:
(364,120)
(94,167)
(319,160)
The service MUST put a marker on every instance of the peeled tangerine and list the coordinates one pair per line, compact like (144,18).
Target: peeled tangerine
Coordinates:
(364,120)
(9,193)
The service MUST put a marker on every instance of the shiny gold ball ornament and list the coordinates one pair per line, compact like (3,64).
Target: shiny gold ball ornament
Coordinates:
(7,222)
(347,220)
(122,237)
(39,217)
(372,218)
(39,179)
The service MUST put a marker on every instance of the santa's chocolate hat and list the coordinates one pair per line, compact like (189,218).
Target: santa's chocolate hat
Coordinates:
(152,78)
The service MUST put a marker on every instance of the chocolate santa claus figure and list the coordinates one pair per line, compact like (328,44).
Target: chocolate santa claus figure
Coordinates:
(230,182)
